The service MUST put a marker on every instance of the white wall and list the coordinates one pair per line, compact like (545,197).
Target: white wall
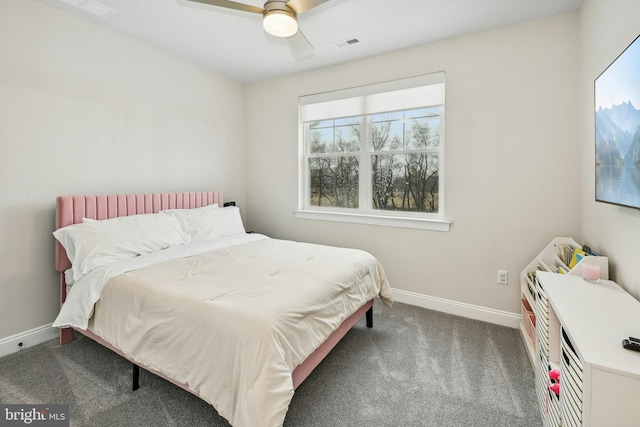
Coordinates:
(607,27)
(511,173)
(84,110)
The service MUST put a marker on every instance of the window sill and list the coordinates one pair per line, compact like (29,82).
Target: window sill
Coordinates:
(403,222)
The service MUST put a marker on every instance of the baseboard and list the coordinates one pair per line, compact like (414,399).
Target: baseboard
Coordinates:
(29,338)
(470,311)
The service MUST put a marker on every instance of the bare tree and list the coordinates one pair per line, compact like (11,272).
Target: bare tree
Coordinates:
(383,166)
(334,177)
(334,174)
(421,169)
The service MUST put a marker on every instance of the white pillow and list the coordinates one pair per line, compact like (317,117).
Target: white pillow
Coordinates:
(212,206)
(203,224)
(93,244)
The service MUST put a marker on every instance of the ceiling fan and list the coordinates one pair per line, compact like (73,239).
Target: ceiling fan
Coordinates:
(279,18)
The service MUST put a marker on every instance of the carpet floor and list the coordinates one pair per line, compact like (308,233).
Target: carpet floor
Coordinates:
(415,367)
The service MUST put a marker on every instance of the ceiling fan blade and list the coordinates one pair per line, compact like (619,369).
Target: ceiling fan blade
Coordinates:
(231,5)
(300,46)
(300,6)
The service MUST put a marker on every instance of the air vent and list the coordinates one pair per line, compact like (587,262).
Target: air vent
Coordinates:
(348,42)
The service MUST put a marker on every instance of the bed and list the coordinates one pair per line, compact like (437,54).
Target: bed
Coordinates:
(238,319)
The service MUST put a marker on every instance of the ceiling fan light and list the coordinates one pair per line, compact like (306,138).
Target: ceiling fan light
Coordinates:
(279,23)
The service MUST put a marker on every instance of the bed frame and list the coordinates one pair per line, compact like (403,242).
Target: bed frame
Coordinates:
(71,210)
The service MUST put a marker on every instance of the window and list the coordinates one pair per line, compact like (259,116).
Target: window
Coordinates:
(374,154)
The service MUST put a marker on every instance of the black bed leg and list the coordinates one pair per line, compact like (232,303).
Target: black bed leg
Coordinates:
(370,317)
(136,377)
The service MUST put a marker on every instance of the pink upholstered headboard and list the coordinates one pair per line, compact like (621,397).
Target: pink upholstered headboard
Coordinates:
(71,209)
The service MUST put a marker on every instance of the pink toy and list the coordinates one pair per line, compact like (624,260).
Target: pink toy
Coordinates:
(554,374)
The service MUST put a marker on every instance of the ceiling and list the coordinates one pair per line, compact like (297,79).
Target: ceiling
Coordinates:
(234,44)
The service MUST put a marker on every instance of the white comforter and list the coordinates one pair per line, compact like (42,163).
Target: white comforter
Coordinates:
(232,323)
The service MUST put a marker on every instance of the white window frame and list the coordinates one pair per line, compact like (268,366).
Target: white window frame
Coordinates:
(414,92)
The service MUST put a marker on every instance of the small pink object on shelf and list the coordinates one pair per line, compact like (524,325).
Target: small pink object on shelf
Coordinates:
(590,272)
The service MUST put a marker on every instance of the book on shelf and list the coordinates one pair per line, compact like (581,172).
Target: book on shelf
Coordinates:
(588,250)
(576,257)
(566,253)
(571,256)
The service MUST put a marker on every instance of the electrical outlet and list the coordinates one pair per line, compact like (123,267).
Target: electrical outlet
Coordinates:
(502,277)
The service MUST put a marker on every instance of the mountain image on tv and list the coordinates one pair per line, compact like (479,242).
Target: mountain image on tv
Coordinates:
(618,135)
(617,130)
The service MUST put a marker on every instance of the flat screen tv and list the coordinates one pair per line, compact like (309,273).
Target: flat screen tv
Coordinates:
(617,130)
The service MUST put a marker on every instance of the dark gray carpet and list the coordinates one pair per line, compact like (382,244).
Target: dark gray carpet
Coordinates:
(416,367)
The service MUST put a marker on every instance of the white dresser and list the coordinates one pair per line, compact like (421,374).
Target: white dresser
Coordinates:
(580,328)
